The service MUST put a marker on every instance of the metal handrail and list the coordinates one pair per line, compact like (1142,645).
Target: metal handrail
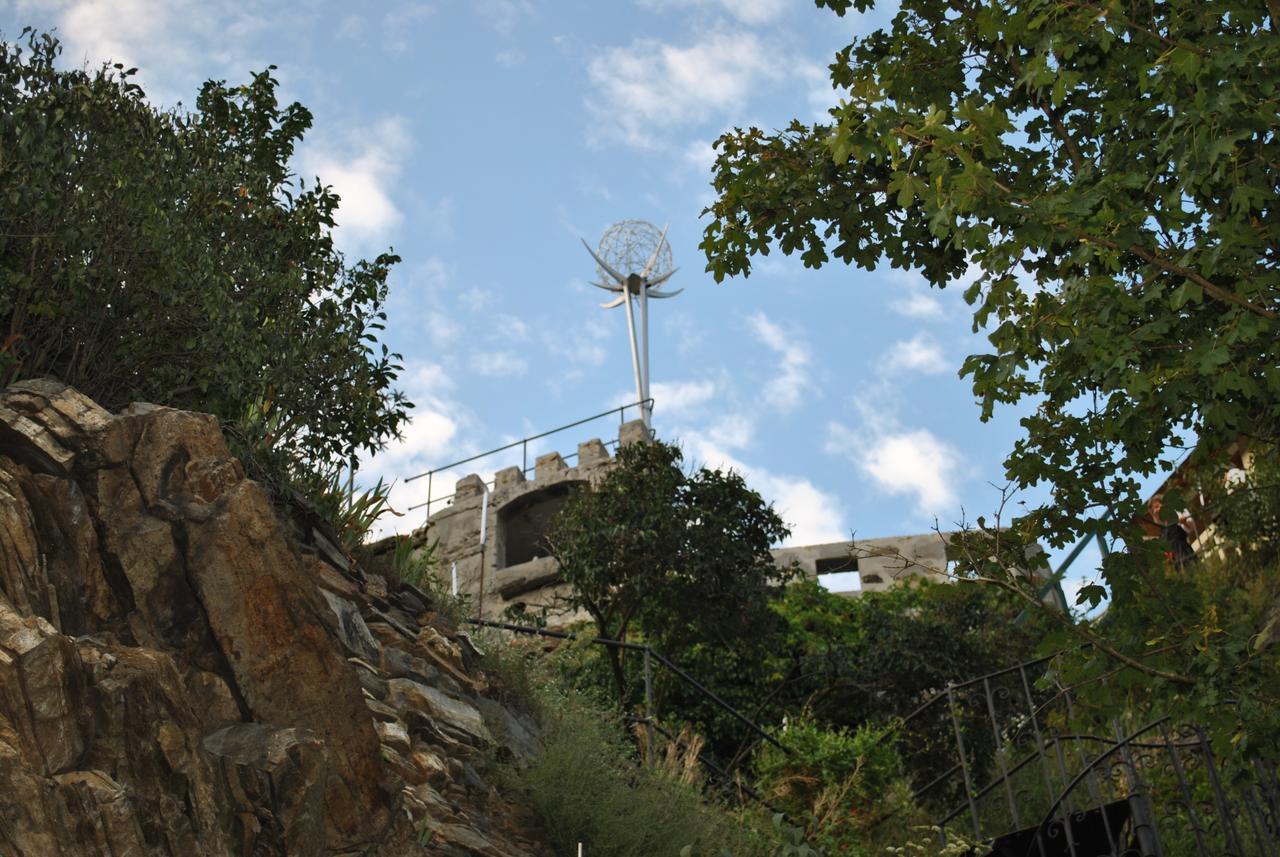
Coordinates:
(641,647)
(609,444)
(524,441)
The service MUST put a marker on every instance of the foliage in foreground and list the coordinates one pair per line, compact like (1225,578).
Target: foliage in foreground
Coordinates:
(846,784)
(587,786)
(1103,175)
(1194,637)
(170,257)
(683,555)
(1104,171)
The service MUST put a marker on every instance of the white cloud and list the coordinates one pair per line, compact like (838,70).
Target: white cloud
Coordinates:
(784,391)
(351,27)
(432,437)
(917,304)
(814,516)
(649,87)
(477,299)
(746,11)
(912,462)
(678,397)
(509,328)
(819,92)
(674,399)
(435,219)
(920,353)
(406,15)
(176,45)
(442,330)
(510,58)
(504,15)
(700,155)
(498,364)
(580,346)
(363,170)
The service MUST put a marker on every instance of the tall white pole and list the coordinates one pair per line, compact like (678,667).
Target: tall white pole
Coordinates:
(635,356)
(644,354)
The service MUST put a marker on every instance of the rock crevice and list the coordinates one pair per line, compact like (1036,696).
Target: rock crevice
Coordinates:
(180,674)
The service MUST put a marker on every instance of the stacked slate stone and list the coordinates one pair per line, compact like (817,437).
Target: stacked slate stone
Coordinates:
(181,674)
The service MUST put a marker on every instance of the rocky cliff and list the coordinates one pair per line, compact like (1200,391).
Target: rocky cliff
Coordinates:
(182,674)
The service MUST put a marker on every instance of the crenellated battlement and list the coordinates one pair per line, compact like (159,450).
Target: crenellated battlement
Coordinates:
(491,534)
(491,537)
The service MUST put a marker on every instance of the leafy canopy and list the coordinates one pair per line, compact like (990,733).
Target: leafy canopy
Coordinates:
(1106,173)
(686,556)
(171,257)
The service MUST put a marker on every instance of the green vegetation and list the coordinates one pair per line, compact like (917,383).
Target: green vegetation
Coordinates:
(684,556)
(846,783)
(1192,638)
(589,783)
(170,257)
(1105,173)
(833,678)
(586,786)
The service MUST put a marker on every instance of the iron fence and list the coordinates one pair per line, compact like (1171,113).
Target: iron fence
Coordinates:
(1023,779)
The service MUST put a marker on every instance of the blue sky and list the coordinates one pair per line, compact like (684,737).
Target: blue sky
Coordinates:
(482,139)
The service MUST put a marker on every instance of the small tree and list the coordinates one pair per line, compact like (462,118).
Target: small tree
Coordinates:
(171,257)
(684,556)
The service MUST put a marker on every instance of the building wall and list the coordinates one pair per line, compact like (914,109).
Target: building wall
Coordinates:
(512,568)
(516,509)
(878,563)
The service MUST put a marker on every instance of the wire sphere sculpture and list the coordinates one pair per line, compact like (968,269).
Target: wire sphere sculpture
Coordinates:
(628,246)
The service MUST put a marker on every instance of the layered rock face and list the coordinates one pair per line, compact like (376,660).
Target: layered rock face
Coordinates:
(181,676)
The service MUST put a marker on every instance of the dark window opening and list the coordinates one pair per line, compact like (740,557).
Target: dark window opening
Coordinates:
(523,524)
(835,565)
(838,573)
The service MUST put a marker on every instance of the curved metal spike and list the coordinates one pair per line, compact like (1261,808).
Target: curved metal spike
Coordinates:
(601,262)
(654,293)
(657,281)
(615,302)
(607,288)
(662,239)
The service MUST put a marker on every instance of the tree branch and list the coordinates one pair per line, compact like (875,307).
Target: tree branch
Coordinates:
(1211,288)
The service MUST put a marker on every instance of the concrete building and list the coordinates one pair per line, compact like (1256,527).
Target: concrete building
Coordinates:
(490,537)
(870,565)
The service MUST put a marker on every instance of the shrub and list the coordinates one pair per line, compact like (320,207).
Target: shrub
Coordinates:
(170,257)
(845,784)
(587,786)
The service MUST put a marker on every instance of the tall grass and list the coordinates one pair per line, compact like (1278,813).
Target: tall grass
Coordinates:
(588,786)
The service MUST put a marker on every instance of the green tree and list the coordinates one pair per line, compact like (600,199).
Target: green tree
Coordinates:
(171,257)
(683,556)
(1107,169)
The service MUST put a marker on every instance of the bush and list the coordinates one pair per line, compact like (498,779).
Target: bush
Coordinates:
(684,557)
(587,786)
(846,784)
(170,257)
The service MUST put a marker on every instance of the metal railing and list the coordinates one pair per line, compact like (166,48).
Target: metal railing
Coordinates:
(1023,778)
(720,773)
(523,445)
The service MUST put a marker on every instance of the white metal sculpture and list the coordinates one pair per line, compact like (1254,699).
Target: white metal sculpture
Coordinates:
(633,259)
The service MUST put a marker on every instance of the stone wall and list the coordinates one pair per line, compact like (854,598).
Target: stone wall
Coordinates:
(512,568)
(880,563)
